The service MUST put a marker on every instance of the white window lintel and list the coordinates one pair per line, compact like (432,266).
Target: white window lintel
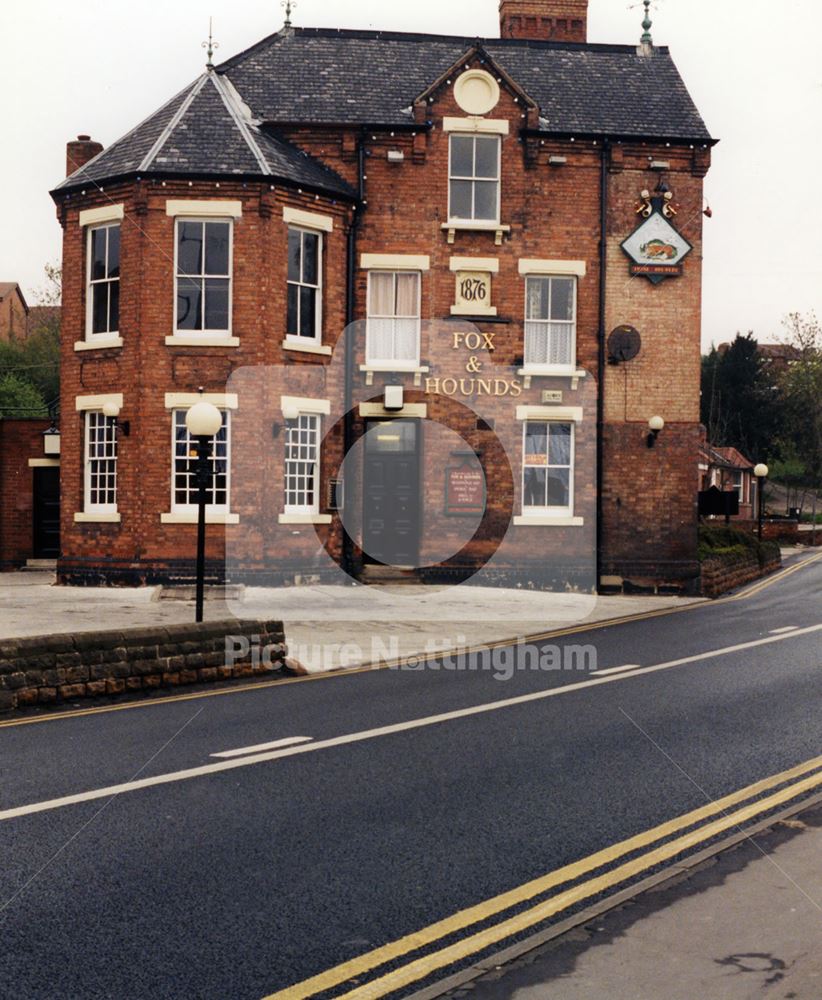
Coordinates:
(310,220)
(535,266)
(105,213)
(395,262)
(293,406)
(213,208)
(475,123)
(183,400)
(572,414)
(82,403)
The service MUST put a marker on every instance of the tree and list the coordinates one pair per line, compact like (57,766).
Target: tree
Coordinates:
(741,407)
(19,398)
(36,359)
(801,388)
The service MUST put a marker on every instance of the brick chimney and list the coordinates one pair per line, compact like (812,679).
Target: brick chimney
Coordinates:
(79,151)
(544,20)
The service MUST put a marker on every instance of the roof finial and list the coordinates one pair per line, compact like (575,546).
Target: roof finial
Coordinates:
(646,25)
(289,5)
(210,46)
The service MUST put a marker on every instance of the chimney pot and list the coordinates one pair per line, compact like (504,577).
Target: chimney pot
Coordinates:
(79,151)
(544,20)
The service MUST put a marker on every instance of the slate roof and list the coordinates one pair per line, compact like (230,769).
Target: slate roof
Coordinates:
(316,75)
(205,130)
(225,122)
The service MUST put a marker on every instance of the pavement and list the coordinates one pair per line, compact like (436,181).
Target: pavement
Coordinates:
(327,626)
(745,925)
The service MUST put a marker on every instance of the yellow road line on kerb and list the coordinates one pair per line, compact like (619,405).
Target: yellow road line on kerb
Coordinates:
(415,657)
(372,960)
(424,967)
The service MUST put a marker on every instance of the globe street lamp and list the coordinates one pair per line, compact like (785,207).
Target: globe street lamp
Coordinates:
(761,473)
(203,421)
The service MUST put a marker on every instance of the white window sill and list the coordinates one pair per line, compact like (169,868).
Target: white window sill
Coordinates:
(97,343)
(549,520)
(306,347)
(552,371)
(202,340)
(304,519)
(190,517)
(395,366)
(476,226)
(90,517)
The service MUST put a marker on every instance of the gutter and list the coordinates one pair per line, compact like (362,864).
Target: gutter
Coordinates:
(603,281)
(350,315)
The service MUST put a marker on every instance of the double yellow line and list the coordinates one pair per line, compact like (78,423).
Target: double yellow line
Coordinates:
(798,781)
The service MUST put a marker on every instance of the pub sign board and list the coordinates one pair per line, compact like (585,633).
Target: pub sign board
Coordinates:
(656,249)
(464,490)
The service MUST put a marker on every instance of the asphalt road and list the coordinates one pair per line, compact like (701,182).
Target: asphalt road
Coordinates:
(416,794)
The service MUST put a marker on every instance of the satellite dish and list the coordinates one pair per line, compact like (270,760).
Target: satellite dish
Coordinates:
(624,344)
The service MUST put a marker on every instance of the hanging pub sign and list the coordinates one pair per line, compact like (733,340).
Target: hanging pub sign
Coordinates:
(656,249)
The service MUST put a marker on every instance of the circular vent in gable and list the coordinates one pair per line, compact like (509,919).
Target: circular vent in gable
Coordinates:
(476,92)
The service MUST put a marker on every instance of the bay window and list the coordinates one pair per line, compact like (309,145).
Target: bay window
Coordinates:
(184,490)
(203,275)
(304,307)
(302,464)
(100,464)
(103,288)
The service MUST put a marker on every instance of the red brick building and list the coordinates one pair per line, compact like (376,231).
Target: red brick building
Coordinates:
(406,249)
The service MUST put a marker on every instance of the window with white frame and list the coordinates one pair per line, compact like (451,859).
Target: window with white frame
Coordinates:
(203,256)
(550,321)
(548,467)
(304,309)
(100,479)
(302,464)
(103,294)
(184,490)
(393,328)
(474,178)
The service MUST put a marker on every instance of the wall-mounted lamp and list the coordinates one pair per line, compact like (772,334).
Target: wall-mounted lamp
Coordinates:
(112,411)
(655,424)
(393,397)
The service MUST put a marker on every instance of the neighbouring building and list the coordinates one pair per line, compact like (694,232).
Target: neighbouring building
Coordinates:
(14,311)
(728,469)
(438,286)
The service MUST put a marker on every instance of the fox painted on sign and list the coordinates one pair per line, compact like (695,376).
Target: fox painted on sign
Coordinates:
(658,249)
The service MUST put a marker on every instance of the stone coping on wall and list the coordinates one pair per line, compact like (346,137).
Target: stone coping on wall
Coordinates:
(48,670)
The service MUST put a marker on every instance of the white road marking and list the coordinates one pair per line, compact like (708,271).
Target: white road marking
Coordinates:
(615,670)
(782,631)
(245,751)
(370,734)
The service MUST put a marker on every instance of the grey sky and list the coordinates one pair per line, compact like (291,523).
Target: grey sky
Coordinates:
(752,67)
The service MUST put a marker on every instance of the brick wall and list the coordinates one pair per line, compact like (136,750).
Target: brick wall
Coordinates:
(20,440)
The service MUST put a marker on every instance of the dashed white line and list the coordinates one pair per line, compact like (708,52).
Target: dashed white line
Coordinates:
(399,727)
(783,631)
(616,670)
(289,741)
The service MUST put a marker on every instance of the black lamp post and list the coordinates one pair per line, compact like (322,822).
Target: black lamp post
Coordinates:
(203,421)
(761,473)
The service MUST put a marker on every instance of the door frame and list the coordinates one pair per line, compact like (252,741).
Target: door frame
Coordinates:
(368,423)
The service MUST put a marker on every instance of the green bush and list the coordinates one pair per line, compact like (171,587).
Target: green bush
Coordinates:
(733,545)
